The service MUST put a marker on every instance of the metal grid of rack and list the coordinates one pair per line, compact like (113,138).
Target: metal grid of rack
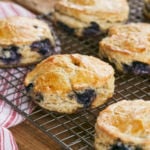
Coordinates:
(73,131)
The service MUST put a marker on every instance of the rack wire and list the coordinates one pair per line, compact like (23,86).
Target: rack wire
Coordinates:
(76,131)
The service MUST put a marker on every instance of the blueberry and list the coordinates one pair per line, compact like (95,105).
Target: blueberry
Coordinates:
(29,87)
(137,68)
(119,146)
(35,26)
(10,55)
(92,30)
(43,47)
(85,97)
(65,27)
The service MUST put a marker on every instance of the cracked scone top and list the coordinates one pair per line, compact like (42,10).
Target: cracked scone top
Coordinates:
(124,125)
(24,41)
(128,47)
(90,17)
(67,83)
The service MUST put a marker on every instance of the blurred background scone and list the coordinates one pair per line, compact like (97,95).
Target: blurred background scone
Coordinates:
(38,6)
(128,47)
(67,83)
(124,125)
(90,17)
(147,8)
(24,41)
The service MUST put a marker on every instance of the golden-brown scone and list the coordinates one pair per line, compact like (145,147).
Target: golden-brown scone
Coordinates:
(67,83)
(128,47)
(124,125)
(24,41)
(147,8)
(39,6)
(90,17)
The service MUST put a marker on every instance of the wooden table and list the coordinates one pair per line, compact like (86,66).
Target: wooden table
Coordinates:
(29,137)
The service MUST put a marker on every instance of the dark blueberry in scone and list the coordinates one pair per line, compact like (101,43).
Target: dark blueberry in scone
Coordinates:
(78,14)
(65,27)
(119,146)
(127,49)
(25,41)
(92,30)
(123,126)
(29,87)
(10,55)
(137,68)
(67,83)
(86,97)
(38,97)
(44,47)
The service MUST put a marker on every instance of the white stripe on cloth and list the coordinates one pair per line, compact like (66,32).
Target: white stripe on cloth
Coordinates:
(9,117)
(8,9)
(7,141)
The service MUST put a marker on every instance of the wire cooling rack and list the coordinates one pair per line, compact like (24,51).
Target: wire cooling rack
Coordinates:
(73,132)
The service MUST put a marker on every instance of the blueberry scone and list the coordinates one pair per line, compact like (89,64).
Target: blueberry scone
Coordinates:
(90,17)
(24,41)
(147,8)
(124,125)
(68,83)
(128,47)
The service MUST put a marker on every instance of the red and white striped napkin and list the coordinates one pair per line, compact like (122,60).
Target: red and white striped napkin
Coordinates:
(7,141)
(8,116)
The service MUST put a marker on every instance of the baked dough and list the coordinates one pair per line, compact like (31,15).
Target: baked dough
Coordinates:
(24,41)
(90,17)
(39,6)
(124,125)
(147,8)
(128,47)
(66,83)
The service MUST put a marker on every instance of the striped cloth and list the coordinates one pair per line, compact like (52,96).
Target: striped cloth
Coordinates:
(9,117)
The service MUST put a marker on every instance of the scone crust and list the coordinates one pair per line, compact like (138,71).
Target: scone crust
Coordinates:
(61,75)
(20,33)
(126,121)
(22,30)
(126,44)
(79,14)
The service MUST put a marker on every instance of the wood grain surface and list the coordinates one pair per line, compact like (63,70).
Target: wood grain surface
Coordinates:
(28,137)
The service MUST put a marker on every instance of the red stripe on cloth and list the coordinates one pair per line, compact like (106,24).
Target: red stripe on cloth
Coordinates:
(2,139)
(3,10)
(7,107)
(1,13)
(6,139)
(4,83)
(9,117)
(22,11)
(14,9)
